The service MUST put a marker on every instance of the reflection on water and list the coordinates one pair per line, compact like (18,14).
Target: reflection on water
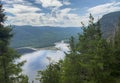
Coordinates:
(39,59)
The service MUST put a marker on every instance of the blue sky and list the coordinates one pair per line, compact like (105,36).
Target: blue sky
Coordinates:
(64,13)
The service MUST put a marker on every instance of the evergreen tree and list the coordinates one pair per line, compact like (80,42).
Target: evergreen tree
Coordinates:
(85,63)
(51,74)
(92,60)
(115,61)
(8,67)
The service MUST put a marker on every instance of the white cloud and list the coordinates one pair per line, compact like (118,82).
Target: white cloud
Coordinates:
(13,1)
(21,9)
(102,9)
(50,3)
(66,2)
(61,17)
(105,8)
(26,14)
(23,14)
(53,3)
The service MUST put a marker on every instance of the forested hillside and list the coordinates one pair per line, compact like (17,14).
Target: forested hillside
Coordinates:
(36,36)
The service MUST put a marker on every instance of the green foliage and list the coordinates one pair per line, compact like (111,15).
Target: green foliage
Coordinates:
(92,60)
(19,79)
(86,61)
(51,74)
(9,68)
(116,54)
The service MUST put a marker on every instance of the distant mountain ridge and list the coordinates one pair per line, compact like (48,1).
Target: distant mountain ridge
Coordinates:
(41,36)
(109,23)
(44,36)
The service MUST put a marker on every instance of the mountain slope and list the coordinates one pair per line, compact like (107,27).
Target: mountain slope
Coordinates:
(41,36)
(109,23)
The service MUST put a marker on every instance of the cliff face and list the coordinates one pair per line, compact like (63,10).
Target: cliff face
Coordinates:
(109,24)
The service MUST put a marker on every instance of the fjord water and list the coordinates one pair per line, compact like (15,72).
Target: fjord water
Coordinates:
(38,59)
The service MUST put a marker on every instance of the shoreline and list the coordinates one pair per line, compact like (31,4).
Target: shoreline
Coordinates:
(37,49)
(44,48)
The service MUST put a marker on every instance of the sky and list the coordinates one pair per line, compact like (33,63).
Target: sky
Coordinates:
(63,13)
